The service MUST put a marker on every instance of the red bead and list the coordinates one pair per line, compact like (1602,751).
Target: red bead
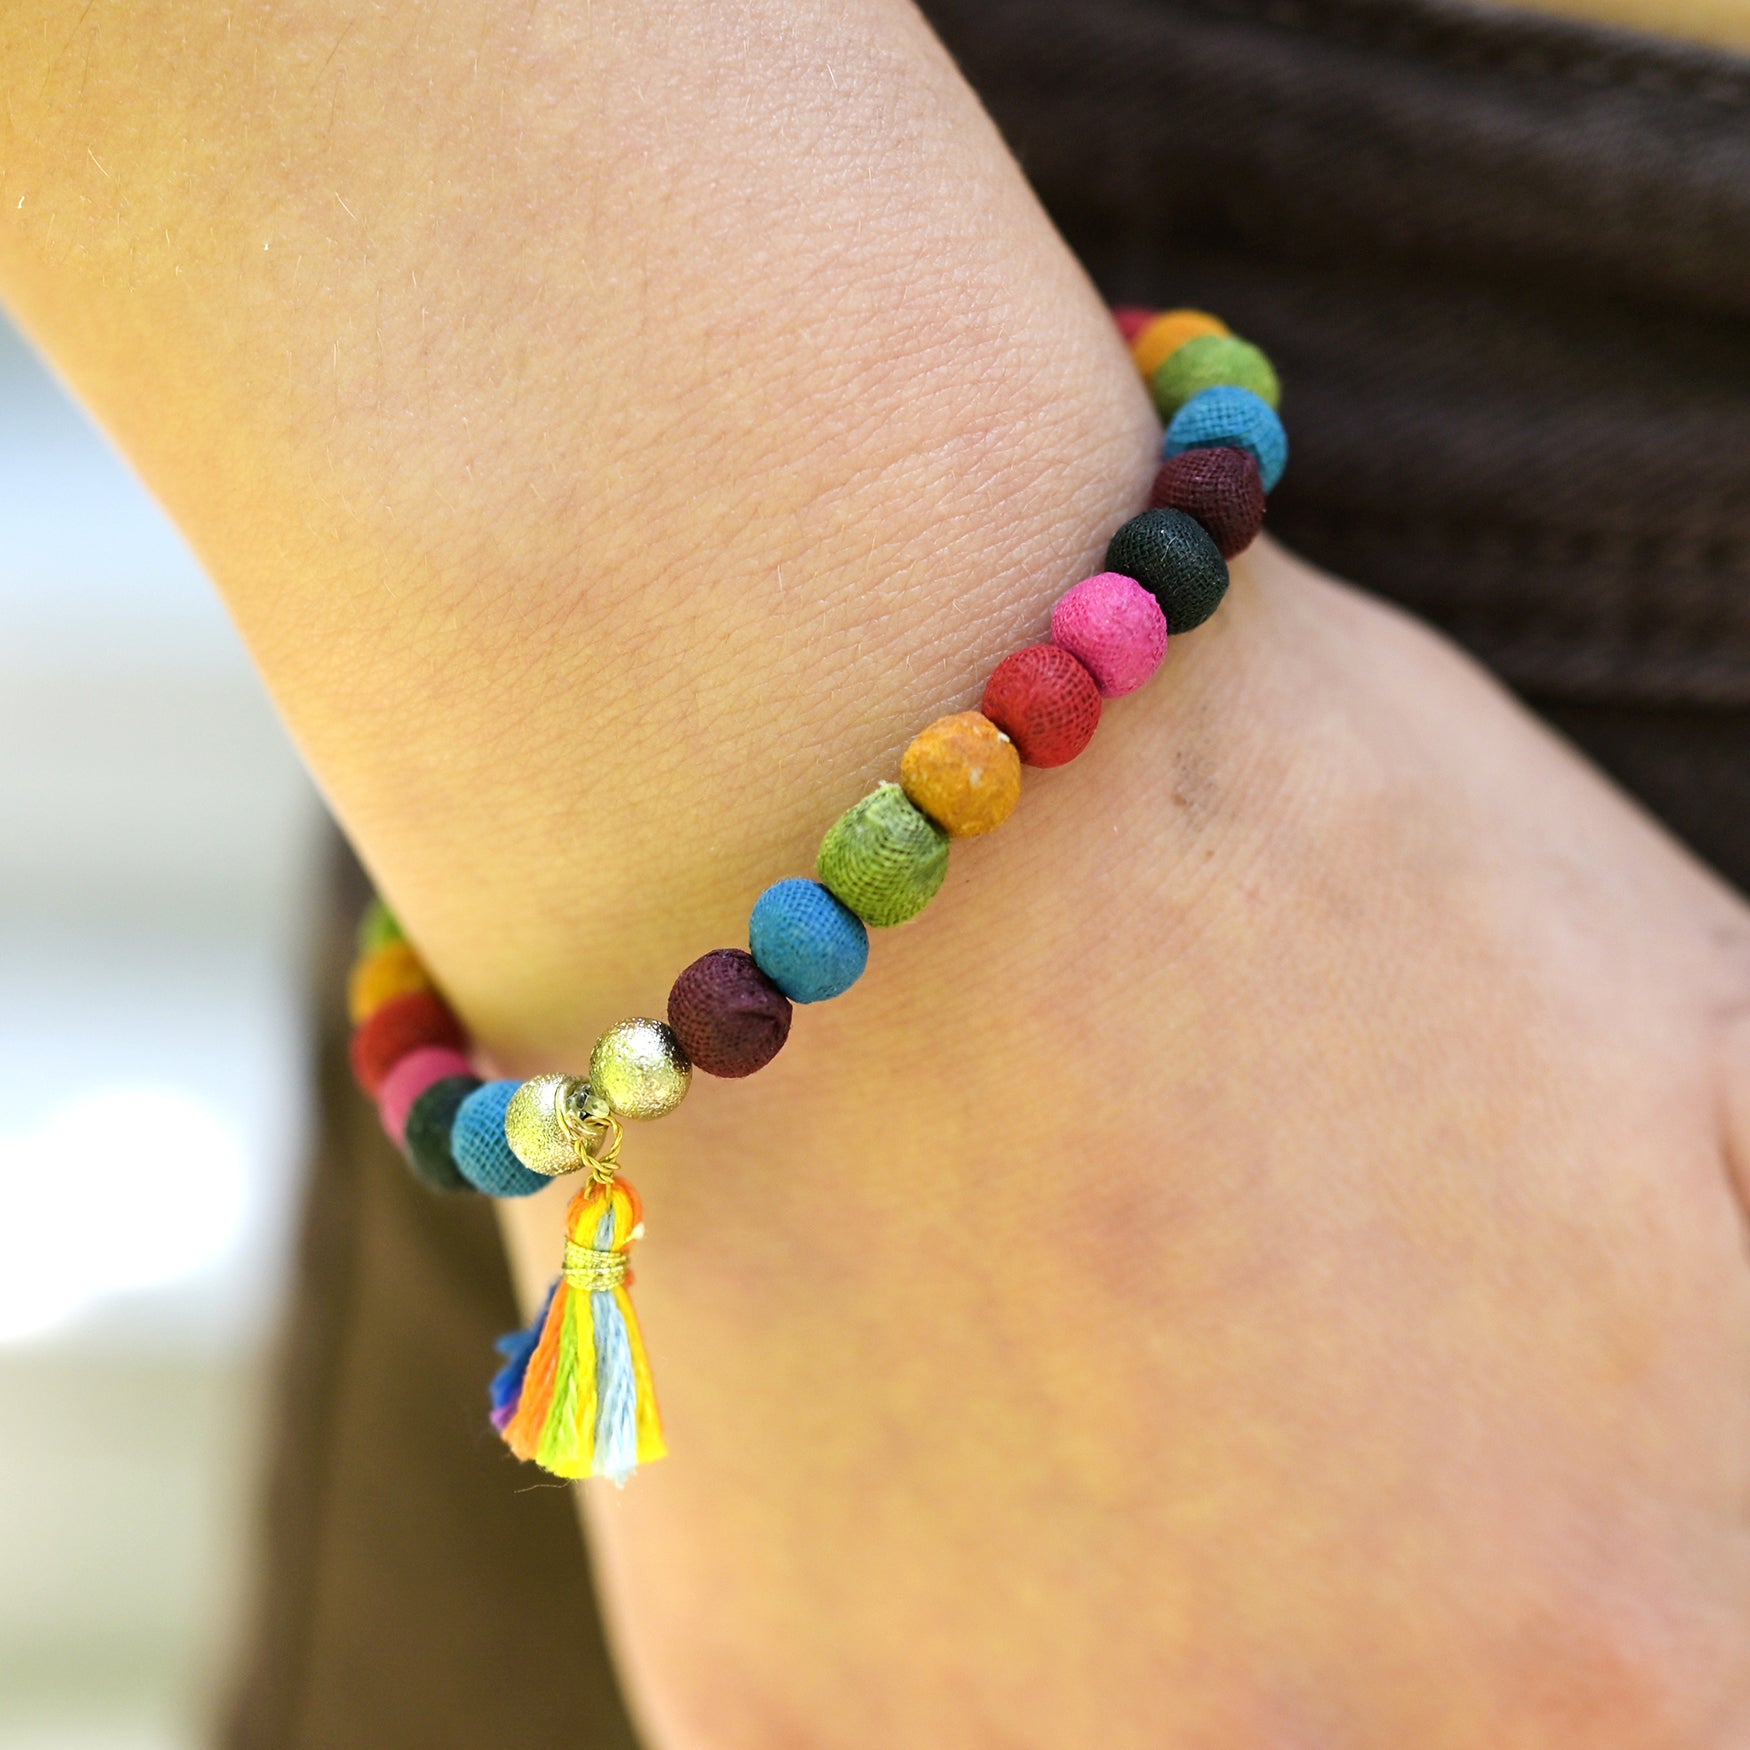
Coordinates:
(729,1017)
(401,1025)
(1132,319)
(1045,702)
(1221,488)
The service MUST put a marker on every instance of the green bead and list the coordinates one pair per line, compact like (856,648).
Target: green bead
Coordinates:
(1213,361)
(884,858)
(377,928)
(428,1132)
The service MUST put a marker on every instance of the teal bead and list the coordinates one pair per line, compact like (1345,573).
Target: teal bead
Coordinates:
(1229,418)
(810,945)
(884,858)
(482,1154)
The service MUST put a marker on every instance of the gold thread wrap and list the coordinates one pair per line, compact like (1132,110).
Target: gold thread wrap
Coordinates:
(592,1271)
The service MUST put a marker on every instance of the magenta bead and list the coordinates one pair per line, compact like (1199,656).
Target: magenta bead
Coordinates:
(1114,628)
(416,1072)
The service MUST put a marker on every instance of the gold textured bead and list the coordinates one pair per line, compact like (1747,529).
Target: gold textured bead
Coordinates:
(535,1129)
(638,1067)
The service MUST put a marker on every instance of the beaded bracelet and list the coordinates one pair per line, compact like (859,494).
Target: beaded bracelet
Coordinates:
(574,1394)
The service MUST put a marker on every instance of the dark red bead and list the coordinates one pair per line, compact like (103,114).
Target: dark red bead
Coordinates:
(729,1017)
(1221,488)
(1045,702)
(401,1025)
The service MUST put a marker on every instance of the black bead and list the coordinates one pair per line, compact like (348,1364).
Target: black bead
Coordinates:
(1173,558)
(428,1132)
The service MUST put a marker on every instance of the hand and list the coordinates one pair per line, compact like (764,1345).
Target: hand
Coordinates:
(1257,1263)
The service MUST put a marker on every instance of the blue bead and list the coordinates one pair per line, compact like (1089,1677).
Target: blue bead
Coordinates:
(480,1151)
(1231,418)
(808,944)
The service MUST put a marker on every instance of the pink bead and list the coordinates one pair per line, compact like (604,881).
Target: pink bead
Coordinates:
(416,1072)
(1114,628)
(1132,319)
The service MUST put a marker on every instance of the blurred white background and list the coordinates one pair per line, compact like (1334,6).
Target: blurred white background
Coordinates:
(158,849)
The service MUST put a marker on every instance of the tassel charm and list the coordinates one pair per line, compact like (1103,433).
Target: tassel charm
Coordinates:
(576,1396)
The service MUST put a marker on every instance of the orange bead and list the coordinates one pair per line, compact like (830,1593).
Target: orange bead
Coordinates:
(1166,334)
(964,773)
(391,971)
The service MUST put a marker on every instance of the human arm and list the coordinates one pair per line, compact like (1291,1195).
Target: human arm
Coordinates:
(616,434)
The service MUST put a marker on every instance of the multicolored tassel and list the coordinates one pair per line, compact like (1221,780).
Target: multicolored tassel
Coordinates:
(516,1348)
(584,1404)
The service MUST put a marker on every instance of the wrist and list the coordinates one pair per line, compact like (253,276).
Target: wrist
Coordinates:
(753,670)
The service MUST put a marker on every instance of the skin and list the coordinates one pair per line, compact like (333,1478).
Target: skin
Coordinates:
(1261,1261)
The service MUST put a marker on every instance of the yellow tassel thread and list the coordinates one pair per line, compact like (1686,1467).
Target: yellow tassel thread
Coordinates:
(588,1406)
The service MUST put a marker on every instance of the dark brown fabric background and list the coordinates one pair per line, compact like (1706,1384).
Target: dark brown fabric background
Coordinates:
(1504,266)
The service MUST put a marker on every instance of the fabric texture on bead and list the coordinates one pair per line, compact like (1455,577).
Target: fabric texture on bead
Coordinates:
(427,1139)
(1045,702)
(1174,559)
(1232,417)
(811,945)
(729,1017)
(964,773)
(1221,488)
(384,974)
(401,1025)
(479,1149)
(416,1072)
(1213,361)
(1114,628)
(884,857)
(1167,333)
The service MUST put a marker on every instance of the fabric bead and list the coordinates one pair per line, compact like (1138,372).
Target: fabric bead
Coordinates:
(884,858)
(416,1072)
(429,1125)
(1167,333)
(401,1025)
(1210,362)
(378,928)
(1221,488)
(1233,417)
(964,773)
(809,944)
(729,1017)
(384,974)
(1045,702)
(478,1146)
(1114,628)
(1172,557)
(1132,319)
